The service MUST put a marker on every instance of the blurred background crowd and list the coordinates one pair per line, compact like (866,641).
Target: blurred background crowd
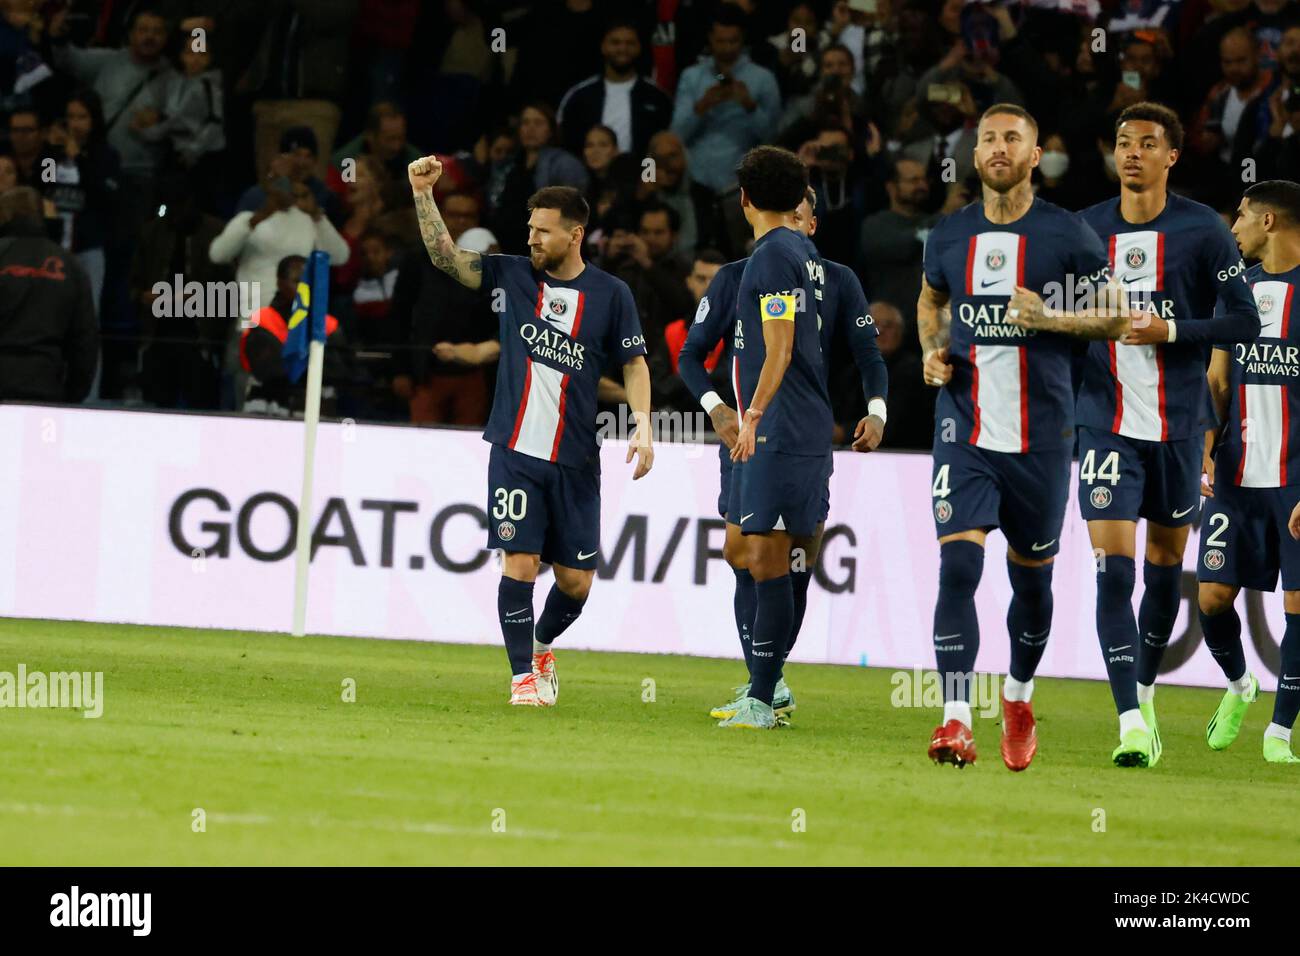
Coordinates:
(219,141)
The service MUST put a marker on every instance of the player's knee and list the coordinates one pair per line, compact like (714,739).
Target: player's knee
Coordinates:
(1213,599)
(734,552)
(1031,583)
(521,567)
(961,564)
(1291,602)
(575,583)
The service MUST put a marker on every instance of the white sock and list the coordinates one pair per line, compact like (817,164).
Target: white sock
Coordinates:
(1240,685)
(1146,693)
(1013,690)
(1278,731)
(957,710)
(539,647)
(1131,720)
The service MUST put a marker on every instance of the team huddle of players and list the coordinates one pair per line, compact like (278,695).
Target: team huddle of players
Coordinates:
(1037,323)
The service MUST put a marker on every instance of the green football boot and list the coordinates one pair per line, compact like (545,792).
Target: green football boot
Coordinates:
(1277,750)
(753,714)
(1134,749)
(1224,726)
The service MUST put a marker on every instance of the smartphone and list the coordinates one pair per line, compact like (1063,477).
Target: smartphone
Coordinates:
(1132,78)
(943,93)
(283,184)
(863,6)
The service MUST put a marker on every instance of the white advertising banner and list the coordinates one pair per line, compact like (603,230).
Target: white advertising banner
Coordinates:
(188,520)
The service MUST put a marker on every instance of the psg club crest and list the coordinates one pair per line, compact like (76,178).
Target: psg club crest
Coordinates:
(942,511)
(1100,497)
(1214,559)
(1265,303)
(558,306)
(996,259)
(1135,258)
(506,530)
(775,307)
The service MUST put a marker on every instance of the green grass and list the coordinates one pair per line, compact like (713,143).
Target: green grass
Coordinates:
(252,729)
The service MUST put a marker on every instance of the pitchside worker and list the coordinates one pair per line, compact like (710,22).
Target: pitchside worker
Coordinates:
(843,309)
(1140,405)
(1251,526)
(563,321)
(1003,423)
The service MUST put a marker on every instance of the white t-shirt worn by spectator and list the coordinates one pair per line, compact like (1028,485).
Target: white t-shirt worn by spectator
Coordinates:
(618,112)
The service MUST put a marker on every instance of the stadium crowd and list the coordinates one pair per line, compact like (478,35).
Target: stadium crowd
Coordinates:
(210,141)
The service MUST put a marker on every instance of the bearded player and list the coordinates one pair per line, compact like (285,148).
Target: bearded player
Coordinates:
(564,320)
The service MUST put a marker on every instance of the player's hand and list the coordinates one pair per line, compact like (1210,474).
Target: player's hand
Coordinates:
(423,173)
(747,436)
(644,451)
(1207,477)
(1026,309)
(725,424)
(936,368)
(1146,329)
(460,353)
(867,436)
(1293,523)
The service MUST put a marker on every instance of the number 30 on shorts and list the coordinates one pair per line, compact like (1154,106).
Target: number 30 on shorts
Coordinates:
(512,504)
(1109,470)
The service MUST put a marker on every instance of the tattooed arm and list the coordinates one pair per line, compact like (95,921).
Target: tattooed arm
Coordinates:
(1111,318)
(464,266)
(933,320)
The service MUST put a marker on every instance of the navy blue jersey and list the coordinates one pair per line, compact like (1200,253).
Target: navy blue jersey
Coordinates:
(1177,266)
(715,321)
(1261,448)
(1011,388)
(783,282)
(557,338)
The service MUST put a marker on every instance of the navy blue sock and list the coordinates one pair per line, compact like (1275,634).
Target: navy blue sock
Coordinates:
(1287,703)
(515,608)
(743,604)
(1117,628)
(799,581)
(1029,617)
(560,611)
(1223,638)
(775,611)
(1161,595)
(956,626)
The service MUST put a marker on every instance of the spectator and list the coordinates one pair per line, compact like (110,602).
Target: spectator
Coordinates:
(795,68)
(910,401)
(866,37)
(365,205)
(48,340)
(384,140)
(696,206)
(296,162)
(831,100)
(943,135)
(1279,152)
(630,105)
(25,141)
(676,394)
(1141,77)
(612,175)
(537,163)
(1054,183)
(839,195)
(725,104)
(573,26)
(1224,132)
(21,66)
(85,186)
(8,173)
(893,241)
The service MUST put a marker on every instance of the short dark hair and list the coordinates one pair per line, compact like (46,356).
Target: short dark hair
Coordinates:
(21,202)
(841,48)
(463,194)
(727,15)
(810,194)
(1156,113)
(773,178)
(288,262)
(674,217)
(711,256)
(381,111)
(620,23)
(1281,196)
(1011,109)
(569,201)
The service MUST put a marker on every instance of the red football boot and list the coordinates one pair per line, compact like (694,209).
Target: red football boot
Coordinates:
(1019,734)
(952,743)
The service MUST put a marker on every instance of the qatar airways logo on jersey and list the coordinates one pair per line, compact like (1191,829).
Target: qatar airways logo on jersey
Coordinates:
(553,345)
(990,321)
(1268,358)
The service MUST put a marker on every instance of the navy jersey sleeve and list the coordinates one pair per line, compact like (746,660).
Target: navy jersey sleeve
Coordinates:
(931,262)
(1090,261)
(862,332)
(626,341)
(775,285)
(714,319)
(1236,319)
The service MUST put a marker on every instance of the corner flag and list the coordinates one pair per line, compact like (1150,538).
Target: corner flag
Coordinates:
(307,316)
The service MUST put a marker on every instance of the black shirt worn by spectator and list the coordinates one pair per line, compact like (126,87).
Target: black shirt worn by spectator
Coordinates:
(49,341)
(430,307)
(583,106)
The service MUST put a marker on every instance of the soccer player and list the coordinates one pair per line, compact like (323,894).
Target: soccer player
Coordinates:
(783,444)
(844,307)
(1251,526)
(1141,406)
(1002,440)
(563,321)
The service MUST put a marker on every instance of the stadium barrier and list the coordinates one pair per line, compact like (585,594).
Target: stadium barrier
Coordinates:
(188,520)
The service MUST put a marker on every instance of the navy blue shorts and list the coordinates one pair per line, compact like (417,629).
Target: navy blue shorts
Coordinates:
(539,507)
(1023,494)
(1123,479)
(1244,538)
(774,491)
(724,494)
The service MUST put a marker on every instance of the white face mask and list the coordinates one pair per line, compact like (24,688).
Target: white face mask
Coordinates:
(1109,160)
(1053,164)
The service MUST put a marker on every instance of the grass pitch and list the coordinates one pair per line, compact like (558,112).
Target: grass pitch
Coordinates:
(430,766)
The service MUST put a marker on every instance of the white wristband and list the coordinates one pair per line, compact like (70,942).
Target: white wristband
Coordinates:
(878,408)
(709,401)
(1173,330)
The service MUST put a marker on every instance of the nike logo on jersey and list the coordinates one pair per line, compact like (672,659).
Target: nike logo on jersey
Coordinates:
(1042,547)
(1179,514)
(985,283)
(584,557)
(1129,279)
(745,518)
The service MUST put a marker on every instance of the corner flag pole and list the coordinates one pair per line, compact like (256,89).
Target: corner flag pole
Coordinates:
(319,266)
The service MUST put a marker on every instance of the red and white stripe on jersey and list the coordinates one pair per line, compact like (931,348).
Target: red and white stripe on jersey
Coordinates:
(1137,259)
(1265,413)
(995,265)
(735,385)
(539,423)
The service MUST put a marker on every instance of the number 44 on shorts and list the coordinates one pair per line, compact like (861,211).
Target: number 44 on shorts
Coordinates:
(1109,470)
